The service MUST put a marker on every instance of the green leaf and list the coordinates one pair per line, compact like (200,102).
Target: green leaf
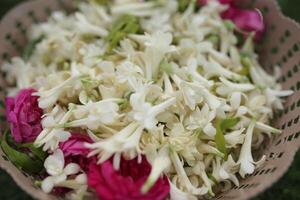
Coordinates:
(101,2)
(246,62)
(124,105)
(30,164)
(222,126)
(220,140)
(125,25)
(37,152)
(183,4)
(229,123)
(229,25)
(212,178)
(29,49)
(166,67)
(214,39)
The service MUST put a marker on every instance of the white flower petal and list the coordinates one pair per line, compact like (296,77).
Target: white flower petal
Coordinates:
(81,179)
(72,168)
(160,163)
(210,130)
(59,179)
(245,159)
(235,99)
(177,194)
(54,164)
(47,184)
(184,178)
(242,110)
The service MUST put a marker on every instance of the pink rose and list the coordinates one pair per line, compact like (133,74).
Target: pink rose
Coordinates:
(75,145)
(126,183)
(75,151)
(226,1)
(24,116)
(248,20)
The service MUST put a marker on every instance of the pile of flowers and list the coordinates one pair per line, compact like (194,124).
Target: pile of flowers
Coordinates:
(141,100)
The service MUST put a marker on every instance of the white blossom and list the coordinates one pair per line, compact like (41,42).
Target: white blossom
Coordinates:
(157,46)
(235,137)
(225,170)
(201,119)
(94,114)
(59,173)
(144,112)
(127,70)
(52,135)
(228,87)
(84,26)
(191,69)
(125,140)
(159,164)
(247,164)
(48,98)
(213,68)
(273,97)
(134,8)
(184,178)
(194,94)
(199,169)
(177,194)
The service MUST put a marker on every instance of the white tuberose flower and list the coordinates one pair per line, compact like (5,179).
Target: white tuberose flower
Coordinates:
(195,93)
(201,119)
(213,68)
(49,98)
(55,167)
(235,138)
(177,194)
(159,164)
(84,26)
(199,169)
(228,87)
(133,8)
(273,97)
(157,46)
(51,136)
(144,112)
(225,170)
(127,70)
(125,140)
(191,69)
(93,115)
(247,164)
(184,178)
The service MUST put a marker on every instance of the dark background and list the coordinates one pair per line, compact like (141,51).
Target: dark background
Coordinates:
(288,188)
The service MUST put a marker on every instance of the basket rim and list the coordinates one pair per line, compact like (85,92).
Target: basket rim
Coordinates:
(38,194)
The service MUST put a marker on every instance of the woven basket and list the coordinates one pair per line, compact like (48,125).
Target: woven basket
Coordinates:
(281,46)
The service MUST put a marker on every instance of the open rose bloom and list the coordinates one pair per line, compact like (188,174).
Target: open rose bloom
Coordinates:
(157,100)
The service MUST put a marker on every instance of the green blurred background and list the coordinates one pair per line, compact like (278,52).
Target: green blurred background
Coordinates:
(288,188)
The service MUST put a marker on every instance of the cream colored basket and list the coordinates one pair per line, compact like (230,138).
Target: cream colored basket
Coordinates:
(281,46)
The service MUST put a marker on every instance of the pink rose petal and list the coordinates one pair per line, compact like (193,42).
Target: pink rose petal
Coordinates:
(24,116)
(126,183)
(75,145)
(248,20)
(75,151)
